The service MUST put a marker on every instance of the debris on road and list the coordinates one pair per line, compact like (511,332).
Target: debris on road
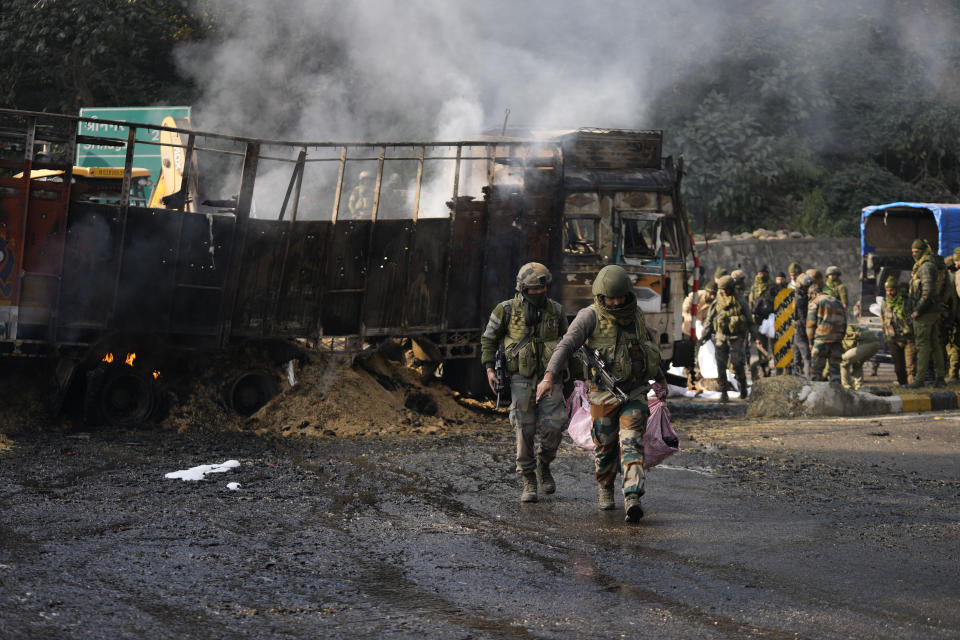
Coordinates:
(198,473)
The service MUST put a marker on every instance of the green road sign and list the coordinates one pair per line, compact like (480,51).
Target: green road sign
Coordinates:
(145,156)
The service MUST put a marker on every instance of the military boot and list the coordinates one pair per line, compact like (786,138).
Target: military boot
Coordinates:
(631,505)
(529,488)
(742,383)
(939,383)
(723,391)
(605,497)
(545,478)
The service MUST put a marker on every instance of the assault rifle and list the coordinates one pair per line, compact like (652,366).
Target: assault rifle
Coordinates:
(602,377)
(500,370)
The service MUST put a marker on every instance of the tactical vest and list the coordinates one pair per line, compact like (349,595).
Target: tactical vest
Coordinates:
(628,351)
(531,359)
(895,327)
(730,319)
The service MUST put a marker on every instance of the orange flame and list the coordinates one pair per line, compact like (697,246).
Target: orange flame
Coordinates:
(130,358)
(108,358)
(156,374)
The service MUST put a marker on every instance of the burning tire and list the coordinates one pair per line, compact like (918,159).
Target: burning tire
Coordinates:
(251,390)
(119,395)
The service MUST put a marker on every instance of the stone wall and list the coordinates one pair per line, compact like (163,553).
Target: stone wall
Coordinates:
(777,253)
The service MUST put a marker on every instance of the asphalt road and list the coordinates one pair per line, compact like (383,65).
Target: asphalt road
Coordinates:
(797,529)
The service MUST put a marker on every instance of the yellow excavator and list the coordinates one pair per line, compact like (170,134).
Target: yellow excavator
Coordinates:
(169,191)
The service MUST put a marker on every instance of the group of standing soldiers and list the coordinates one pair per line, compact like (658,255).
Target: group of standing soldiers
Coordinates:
(920,325)
(824,345)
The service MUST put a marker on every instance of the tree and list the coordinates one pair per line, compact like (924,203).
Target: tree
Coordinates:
(60,55)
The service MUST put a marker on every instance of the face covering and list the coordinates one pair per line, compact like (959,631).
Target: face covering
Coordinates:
(535,299)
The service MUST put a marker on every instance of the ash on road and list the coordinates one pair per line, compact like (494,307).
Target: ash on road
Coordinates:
(809,529)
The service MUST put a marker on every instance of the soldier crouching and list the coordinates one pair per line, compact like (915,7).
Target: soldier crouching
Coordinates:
(613,326)
(530,325)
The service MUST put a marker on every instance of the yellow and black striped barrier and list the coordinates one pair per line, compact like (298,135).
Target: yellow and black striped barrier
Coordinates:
(783,308)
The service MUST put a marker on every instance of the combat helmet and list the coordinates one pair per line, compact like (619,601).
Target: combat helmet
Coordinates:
(738,275)
(815,274)
(533,274)
(725,283)
(794,268)
(833,271)
(804,280)
(612,281)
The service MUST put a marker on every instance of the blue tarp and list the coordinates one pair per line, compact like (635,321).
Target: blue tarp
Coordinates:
(947,217)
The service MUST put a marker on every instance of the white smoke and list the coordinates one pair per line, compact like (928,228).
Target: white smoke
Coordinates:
(389,70)
(420,70)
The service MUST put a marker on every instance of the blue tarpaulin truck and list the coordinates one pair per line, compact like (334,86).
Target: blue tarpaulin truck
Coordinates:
(886,233)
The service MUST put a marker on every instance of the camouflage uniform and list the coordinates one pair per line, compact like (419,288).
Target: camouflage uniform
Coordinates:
(926,280)
(951,310)
(801,346)
(728,323)
(833,287)
(621,337)
(826,324)
(895,315)
(761,306)
(859,345)
(513,321)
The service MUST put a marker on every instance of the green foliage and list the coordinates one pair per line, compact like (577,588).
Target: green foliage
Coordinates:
(59,55)
(790,132)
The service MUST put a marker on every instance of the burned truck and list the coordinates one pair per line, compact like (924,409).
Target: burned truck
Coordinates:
(333,246)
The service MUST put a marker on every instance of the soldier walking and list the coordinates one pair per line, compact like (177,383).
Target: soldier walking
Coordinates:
(895,315)
(826,324)
(614,326)
(530,325)
(926,281)
(728,324)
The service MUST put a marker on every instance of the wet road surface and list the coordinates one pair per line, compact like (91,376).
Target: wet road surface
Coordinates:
(801,529)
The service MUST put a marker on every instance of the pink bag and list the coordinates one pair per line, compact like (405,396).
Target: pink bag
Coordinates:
(660,441)
(578,408)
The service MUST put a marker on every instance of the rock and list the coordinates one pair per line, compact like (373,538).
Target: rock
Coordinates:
(796,234)
(724,235)
(790,396)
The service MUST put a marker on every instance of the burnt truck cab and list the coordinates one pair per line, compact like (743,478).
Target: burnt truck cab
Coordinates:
(621,205)
(886,233)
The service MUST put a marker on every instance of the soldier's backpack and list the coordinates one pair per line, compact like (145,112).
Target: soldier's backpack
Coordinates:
(730,317)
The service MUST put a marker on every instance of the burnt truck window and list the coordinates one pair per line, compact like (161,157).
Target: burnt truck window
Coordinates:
(580,235)
(640,238)
(581,212)
(647,236)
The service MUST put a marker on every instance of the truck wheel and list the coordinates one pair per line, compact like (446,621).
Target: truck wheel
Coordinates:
(466,376)
(251,390)
(119,395)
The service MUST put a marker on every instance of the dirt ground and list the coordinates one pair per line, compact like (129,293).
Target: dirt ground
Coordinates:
(784,529)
